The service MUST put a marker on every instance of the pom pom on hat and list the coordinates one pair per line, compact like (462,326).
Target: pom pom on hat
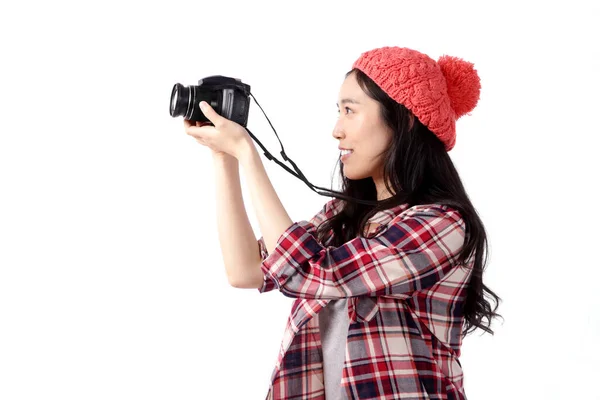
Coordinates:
(437,93)
(463,84)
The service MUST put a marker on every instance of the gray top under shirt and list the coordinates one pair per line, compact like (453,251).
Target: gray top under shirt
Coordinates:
(333,326)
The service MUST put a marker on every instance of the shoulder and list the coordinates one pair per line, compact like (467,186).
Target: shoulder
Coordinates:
(328,210)
(332,207)
(433,213)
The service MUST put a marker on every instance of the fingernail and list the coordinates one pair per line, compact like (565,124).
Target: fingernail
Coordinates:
(203,105)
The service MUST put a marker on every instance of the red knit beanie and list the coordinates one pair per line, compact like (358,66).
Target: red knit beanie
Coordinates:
(437,93)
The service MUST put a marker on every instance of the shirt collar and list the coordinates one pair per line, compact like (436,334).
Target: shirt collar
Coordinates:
(382,217)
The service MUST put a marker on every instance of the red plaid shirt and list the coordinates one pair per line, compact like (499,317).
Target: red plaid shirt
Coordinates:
(405,303)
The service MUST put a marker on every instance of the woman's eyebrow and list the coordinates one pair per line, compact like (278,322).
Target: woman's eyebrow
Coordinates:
(348,101)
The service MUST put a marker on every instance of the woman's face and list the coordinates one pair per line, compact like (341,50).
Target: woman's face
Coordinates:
(360,128)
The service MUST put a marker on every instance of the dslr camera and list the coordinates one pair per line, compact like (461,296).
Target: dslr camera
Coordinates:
(229,97)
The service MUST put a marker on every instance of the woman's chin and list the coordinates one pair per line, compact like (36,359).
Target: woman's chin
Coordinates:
(353,176)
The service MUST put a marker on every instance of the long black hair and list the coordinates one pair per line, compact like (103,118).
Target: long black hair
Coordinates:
(416,170)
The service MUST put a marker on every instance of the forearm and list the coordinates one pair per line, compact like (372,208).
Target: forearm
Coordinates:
(272,217)
(239,246)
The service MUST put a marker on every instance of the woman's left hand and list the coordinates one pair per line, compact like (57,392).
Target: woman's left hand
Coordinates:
(225,136)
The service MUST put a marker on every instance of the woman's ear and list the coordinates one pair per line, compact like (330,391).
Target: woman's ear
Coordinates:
(411,121)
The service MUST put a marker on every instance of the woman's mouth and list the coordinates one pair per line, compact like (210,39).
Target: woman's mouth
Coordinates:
(345,154)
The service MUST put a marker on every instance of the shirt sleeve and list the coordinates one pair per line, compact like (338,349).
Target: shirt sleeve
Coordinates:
(325,213)
(417,249)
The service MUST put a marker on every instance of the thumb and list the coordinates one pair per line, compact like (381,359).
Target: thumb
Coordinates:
(210,113)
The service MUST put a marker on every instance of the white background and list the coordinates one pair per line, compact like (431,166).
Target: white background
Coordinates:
(111,280)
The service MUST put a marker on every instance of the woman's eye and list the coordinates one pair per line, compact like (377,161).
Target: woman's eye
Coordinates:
(345,108)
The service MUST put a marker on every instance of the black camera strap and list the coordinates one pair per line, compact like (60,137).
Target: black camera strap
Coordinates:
(298,174)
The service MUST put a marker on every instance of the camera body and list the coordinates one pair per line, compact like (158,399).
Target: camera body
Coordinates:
(229,97)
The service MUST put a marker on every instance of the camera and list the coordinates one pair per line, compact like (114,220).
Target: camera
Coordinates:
(229,97)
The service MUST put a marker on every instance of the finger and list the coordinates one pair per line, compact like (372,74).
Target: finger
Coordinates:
(211,114)
(204,133)
(187,123)
(204,130)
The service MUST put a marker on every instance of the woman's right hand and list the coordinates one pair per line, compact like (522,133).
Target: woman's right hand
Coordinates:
(187,123)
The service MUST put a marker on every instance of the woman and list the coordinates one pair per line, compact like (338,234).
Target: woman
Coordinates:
(383,294)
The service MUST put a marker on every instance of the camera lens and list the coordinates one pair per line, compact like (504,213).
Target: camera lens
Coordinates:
(181,99)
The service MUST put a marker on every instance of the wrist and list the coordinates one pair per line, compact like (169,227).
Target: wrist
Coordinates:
(221,157)
(247,152)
